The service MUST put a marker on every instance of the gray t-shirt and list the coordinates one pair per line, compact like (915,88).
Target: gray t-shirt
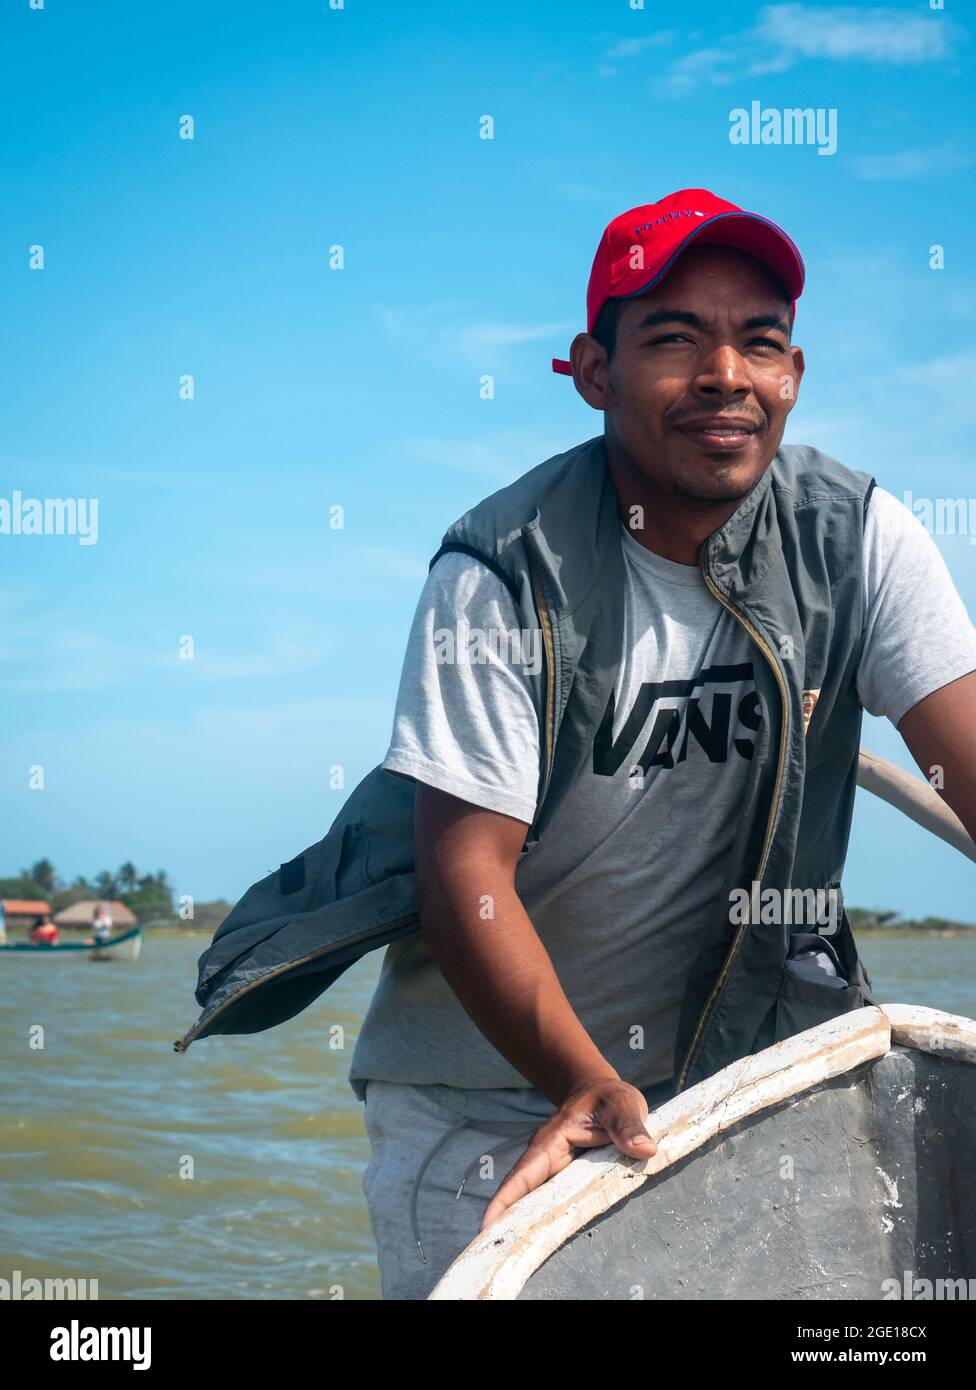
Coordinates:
(635,861)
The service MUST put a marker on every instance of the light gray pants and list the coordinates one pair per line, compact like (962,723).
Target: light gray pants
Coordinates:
(426,1145)
(406,1127)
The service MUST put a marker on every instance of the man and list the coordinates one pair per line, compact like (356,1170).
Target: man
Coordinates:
(101,924)
(632,689)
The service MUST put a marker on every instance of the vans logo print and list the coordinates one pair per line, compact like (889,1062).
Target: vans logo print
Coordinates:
(718,723)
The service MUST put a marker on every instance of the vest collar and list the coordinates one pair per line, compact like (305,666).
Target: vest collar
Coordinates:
(578,515)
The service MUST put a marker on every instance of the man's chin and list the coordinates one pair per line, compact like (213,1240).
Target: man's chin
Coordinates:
(719,478)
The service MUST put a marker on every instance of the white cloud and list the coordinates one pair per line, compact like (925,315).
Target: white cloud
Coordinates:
(75,660)
(407,323)
(634,47)
(486,337)
(712,65)
(787,34)
(874,35)
(440,333)
(913,164)
(501,459)
(66,660)
(943,383)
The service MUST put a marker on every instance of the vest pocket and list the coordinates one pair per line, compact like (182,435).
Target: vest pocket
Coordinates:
(803,1003)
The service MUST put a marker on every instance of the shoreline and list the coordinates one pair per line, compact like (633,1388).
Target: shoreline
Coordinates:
(915,931)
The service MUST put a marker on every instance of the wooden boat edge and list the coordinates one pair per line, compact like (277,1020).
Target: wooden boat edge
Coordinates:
(499,1261)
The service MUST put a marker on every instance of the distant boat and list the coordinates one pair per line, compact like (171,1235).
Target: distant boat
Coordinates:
(126,946)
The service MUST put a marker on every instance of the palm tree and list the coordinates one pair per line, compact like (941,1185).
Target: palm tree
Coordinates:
(106,886)
(44,876)
(128,877)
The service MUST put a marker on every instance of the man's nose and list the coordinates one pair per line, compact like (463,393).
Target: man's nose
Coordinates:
(723,372)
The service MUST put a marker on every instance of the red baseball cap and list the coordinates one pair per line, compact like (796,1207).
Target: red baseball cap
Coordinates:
(655,235)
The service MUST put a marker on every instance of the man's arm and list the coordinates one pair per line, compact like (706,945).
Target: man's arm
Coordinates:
(478,932)
(940,732)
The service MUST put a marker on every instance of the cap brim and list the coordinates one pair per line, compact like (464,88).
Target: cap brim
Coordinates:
(745,231)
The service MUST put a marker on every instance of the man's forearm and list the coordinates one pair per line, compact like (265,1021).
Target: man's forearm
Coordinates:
(502,974)
(940,732)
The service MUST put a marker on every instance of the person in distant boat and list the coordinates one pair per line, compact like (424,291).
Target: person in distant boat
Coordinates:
(45,933)
(101,924)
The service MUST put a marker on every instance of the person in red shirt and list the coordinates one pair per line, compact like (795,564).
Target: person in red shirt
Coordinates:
(45,933)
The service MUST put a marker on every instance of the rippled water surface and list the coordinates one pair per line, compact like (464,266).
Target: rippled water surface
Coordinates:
(97,1127)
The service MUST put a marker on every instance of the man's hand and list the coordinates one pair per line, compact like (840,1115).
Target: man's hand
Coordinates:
(600,1112)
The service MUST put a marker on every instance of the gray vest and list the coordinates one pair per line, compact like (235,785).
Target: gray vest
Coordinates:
(788,565)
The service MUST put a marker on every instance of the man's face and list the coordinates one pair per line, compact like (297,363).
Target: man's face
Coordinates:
(702,378)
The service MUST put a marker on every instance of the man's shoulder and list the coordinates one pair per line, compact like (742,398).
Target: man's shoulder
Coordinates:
(809,476)
(492,524)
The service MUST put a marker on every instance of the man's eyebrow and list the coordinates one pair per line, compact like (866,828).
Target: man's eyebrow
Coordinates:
(659,316)
(768,321)
(669,316)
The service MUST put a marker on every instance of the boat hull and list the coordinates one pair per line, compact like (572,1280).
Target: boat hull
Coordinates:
(834,1164)
(853,1190)
(126,946)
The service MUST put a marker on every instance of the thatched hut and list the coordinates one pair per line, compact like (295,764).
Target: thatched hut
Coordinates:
(80,914)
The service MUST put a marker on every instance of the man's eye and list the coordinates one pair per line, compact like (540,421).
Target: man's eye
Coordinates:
(683,338)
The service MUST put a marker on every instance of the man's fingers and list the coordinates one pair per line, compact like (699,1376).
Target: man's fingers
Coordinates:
(631,1138)
(624,1119)
(617,1118)
(537,1165)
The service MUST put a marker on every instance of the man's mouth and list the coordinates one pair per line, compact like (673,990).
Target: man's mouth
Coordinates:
(723,433)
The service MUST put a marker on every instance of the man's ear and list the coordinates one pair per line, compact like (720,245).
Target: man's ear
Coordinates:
(590,370)
(799,367)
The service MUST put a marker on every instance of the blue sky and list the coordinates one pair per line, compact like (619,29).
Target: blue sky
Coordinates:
(360,387)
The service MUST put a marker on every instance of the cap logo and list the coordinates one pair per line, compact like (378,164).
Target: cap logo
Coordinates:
(662,221)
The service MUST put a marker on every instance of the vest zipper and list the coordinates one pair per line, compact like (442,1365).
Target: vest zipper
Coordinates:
(183,1043)
(547,642)
(768,653)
